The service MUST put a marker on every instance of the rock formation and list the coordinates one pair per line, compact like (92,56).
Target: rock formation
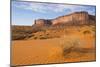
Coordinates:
(42,22)
(77,18)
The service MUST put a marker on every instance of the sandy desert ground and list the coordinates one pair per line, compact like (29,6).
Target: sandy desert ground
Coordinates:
(75,45)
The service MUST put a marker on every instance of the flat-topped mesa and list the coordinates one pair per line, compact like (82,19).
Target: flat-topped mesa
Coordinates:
(39,22)
(74,18)
(42,22)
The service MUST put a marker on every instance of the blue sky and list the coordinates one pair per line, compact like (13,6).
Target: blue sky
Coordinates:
(24,13)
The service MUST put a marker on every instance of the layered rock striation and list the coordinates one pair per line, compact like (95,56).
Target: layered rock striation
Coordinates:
(76,18)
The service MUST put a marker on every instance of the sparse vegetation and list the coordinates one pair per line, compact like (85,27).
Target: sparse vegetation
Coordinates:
(43,37)
(64,40)
(21,32)
(26,32)
(87,32)
(35,37)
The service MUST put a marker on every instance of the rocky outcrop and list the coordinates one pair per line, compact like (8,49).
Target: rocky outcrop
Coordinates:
(42,22)
(77,18)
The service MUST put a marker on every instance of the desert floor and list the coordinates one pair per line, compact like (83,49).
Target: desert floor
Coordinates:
(73,47)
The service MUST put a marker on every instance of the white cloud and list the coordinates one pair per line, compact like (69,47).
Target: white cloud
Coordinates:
(48,7)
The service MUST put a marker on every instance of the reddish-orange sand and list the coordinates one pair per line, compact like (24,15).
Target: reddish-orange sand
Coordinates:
(47,51)
(44,51)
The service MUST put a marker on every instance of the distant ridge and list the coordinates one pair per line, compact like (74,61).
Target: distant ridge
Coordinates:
(76,18)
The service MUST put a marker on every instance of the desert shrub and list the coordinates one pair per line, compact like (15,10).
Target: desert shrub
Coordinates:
(18,37)
(43,37)
(40,35)
(21,32)
(47,33)
(21,36)
(35,37)
(28,36)
(86,32)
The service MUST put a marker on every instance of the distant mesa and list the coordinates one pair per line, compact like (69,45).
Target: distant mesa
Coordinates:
(76,18)
(42,22)
(46,28)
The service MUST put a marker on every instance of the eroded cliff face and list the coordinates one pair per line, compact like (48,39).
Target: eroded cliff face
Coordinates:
(77,18)
(42,22)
